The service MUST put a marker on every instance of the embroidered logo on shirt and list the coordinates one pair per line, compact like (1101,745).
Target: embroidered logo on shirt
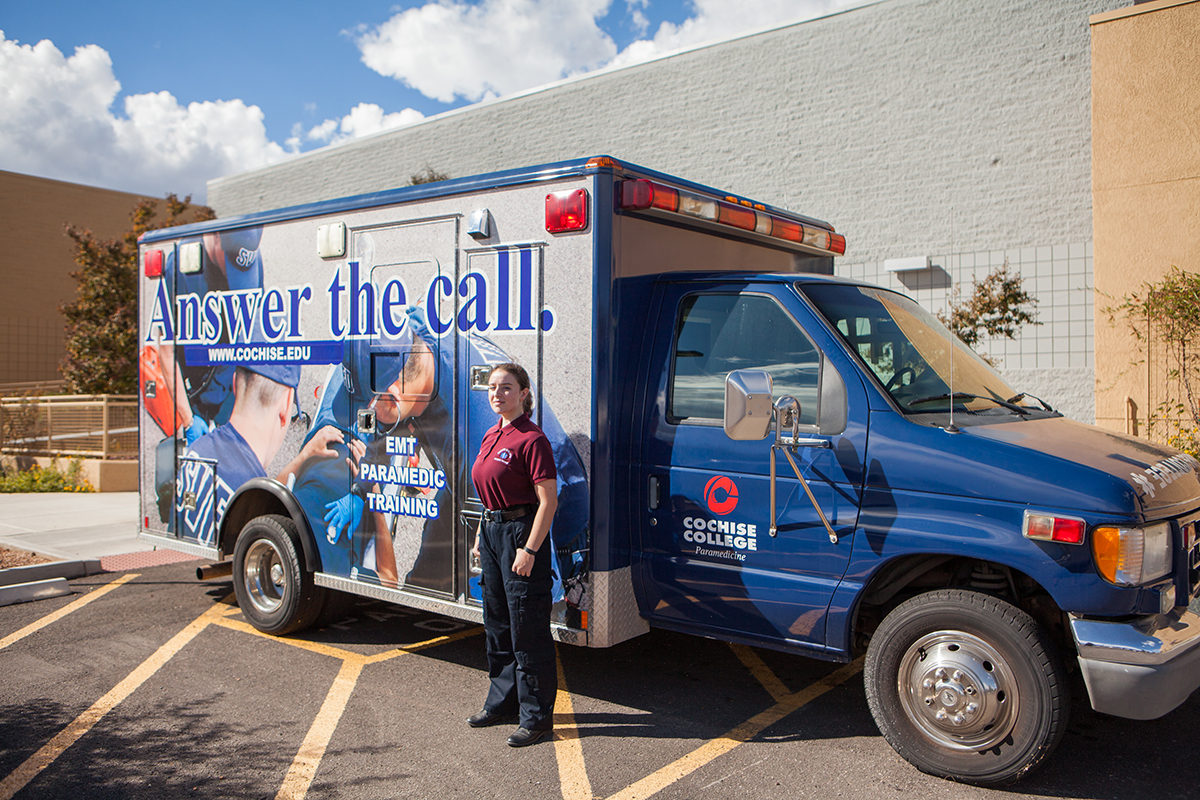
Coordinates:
(504,456)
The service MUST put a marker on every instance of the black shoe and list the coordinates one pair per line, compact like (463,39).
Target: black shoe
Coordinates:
(523,737)
(485,718)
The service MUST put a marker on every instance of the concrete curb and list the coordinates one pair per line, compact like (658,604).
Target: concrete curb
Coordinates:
(55,569)
(37,590)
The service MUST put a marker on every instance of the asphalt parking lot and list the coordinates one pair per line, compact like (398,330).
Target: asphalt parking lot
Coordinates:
(149,684)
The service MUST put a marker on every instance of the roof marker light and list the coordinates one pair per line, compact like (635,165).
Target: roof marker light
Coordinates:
(567,211)
(737,216)
(152,263)
(641,195)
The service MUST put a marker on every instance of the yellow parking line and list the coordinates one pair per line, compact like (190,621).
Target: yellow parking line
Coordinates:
(657,781)
(417,646)
(761,672)
(304,767)
(67,609)
(313,647)
(44,757)
(568,750)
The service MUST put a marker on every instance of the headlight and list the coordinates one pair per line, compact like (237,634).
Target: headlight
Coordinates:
(1133,556)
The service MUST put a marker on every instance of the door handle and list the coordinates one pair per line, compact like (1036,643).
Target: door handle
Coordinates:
(654,490)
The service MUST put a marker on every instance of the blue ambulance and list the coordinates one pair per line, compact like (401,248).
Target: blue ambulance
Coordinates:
(748,448)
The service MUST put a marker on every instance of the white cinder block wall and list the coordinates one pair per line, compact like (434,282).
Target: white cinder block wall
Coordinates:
(955,129)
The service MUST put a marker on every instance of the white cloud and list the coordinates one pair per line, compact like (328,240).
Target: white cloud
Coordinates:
(57,120)
(722,19)
(637,16)
(451,48)
(363,120)
(454,49)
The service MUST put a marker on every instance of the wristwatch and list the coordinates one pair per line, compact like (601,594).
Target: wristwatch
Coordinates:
(527,550)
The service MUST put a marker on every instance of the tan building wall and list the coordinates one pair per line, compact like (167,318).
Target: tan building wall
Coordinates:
(1145,183)
(36,262)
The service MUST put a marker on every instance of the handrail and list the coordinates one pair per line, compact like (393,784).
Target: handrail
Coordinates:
(104,426)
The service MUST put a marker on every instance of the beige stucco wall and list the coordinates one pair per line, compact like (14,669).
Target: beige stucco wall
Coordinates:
(36,262)
(1145,179)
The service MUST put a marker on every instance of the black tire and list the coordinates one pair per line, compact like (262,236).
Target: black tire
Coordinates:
(274,592)
(966,686)
(336,608)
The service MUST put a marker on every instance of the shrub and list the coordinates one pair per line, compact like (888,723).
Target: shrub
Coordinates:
(46,479)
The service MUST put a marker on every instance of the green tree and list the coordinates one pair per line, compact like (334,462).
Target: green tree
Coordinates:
(1169,310)
(998,306)
(102,320)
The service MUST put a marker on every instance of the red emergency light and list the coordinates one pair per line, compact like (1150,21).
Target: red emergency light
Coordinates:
(567,211)
(152,262)
(641,194)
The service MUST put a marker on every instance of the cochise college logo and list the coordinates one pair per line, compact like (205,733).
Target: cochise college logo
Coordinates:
(719,537)
(721,496)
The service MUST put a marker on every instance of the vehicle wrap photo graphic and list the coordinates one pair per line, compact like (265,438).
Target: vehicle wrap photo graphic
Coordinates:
(349,382)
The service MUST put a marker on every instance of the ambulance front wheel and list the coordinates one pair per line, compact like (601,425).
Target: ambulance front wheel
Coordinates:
(274,592)
(966,686)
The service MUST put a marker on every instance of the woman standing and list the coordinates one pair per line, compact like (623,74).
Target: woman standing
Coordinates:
(514,476)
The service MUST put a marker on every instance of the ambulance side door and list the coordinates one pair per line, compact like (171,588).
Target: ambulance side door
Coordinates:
(706,560)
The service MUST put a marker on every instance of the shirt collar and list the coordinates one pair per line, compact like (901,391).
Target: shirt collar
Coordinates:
(523,424)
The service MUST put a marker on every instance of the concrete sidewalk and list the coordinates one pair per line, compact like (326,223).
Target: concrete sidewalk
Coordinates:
(80,526)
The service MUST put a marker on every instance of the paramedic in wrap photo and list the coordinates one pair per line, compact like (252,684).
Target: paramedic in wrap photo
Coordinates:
(515,477)
(262,408)
(322,489)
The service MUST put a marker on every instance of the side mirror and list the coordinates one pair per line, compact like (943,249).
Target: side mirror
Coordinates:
(748,405)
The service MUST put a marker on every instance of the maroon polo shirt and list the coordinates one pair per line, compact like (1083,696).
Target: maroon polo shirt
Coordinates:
(511,460)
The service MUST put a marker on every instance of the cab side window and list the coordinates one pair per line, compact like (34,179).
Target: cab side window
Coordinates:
(718,333)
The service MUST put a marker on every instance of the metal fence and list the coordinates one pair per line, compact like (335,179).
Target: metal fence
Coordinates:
(102,425)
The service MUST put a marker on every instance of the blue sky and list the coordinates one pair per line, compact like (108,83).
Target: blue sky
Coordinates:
(152,97)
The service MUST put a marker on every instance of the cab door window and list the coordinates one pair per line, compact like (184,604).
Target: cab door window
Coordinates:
(718,333)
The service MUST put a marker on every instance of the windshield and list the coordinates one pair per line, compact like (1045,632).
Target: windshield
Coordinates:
(916,359)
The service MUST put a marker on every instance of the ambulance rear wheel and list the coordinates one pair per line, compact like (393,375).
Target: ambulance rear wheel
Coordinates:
(274,592)
(337,607)
(966,686)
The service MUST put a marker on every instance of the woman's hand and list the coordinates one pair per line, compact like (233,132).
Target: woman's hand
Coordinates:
(522,564)
(540,530)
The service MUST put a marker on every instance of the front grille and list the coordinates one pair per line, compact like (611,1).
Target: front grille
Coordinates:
(1192,543)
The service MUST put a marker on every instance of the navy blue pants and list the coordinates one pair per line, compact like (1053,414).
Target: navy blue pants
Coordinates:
(516,619)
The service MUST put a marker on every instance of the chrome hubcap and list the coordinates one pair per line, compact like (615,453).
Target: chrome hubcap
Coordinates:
(958,690)
(264,576)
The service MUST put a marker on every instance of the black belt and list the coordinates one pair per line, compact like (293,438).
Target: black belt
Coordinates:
(508,514)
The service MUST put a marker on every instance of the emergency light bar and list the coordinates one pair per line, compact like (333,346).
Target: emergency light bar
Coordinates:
(643,195)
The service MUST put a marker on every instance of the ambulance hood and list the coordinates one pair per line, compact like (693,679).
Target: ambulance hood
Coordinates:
(1084,464)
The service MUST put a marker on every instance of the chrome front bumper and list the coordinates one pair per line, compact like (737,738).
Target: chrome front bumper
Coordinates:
(1141,669)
